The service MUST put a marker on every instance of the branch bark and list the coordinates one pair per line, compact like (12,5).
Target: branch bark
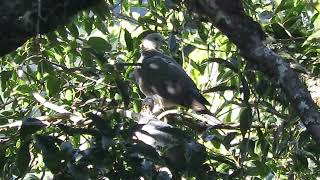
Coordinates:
(21,20)
(229,17)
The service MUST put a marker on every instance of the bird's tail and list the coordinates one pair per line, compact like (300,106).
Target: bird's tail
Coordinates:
(200,107)
(209,116)
(205,111)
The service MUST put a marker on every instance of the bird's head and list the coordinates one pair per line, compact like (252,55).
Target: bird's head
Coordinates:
(152,41)
(147,104)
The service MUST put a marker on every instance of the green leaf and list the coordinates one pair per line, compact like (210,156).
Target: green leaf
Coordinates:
(99,57)
(300,161)
(111,2)
(245,89)
(315,35)
(245,120)
(46,67)
(69,95)
(222,159)
(284,4)
(88,26)
(25,89)
(51,153)
(74,30)
(260,169)
(316,20)
(63,33)
(3,159)
(203,32)
(223,63)
(99,44)
(102,11)
(228,117)
(228,138)
(124,91)
(128,39)
(188,49)
(23,157)
(52,85)
(264,145)
(149,21)
(4,77)
(279,31)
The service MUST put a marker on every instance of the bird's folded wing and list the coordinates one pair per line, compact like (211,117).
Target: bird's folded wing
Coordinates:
(167,78)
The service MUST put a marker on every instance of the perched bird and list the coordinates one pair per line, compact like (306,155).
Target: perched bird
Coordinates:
(177,148)
(163,79)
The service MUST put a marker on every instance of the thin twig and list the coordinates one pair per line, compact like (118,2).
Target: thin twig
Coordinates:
(7,103)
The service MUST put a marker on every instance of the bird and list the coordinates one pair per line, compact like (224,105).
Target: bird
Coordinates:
(164,80)
(146,113)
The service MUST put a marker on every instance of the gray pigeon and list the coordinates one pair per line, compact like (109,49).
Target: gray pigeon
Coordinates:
(163,79)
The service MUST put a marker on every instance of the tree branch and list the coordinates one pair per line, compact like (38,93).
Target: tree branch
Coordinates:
(19,20)
(229,17)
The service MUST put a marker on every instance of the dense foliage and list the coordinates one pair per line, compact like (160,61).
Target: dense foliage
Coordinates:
(85,68)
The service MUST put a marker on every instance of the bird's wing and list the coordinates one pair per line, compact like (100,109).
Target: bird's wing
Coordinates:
(166,77)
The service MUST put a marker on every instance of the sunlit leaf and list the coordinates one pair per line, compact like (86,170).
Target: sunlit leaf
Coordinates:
(315,35)
(69,95)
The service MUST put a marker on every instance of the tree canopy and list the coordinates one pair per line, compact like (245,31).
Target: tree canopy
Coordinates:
(70,105)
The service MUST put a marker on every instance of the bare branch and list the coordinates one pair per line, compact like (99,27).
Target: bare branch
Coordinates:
(56,108)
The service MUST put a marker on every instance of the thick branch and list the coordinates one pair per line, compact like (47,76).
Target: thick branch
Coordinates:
(229,17)
(19,20)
